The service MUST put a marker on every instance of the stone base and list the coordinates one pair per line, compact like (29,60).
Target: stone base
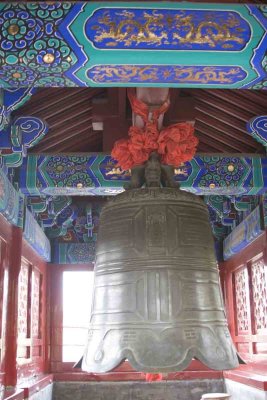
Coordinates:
(172,390)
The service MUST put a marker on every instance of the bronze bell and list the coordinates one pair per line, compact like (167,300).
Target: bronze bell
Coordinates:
(157,299)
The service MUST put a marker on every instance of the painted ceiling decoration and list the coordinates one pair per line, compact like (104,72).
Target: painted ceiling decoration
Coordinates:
(12,99)
(86,44)
(63,119)
(247,231)
(257,128)
(11,201)
(36,237)
(47,209)
(97,175)
(76,242)
(21,135)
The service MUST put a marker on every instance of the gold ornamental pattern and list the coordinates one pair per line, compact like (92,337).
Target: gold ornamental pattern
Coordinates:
(164,29)
(167,73)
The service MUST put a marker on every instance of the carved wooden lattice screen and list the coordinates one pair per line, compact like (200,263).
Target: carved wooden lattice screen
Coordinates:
(30,336)
(245,286)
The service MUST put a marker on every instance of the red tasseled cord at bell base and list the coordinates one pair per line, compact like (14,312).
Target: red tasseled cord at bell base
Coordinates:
(154,377)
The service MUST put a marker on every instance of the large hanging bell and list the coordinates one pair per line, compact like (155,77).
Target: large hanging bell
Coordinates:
(157,299)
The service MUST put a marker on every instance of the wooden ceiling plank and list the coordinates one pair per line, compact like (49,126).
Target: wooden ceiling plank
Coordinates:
(208,98)
(53,143)
(205,148)
(234,98)
(40,98)
(220,116)
(63,131)
(55,102)
(80,142)
(258,97)
(122,102)
(67,115)
(221,137)
(228,130)
(79,114)
(83,101)
(220,147)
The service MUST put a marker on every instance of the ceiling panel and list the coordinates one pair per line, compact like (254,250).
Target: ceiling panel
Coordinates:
(220,117)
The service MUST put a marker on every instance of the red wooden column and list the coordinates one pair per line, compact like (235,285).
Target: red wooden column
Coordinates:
(10,353)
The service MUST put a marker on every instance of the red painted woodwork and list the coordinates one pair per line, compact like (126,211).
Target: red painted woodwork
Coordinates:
(12,307)
(32,388)
(13,395)
(27,390)
(5,240)
(23,353)
(245,287)
(31,330)
(244,278)
(252,374)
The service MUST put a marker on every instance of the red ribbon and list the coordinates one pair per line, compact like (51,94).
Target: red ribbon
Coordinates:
(175,143)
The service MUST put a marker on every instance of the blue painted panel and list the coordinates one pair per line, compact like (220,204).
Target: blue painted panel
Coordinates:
(11,202)
(74,253)
(35,236)
(244,234)
(257,128)
(182,74)
(145,29)
(13,99)
(47,44)
(97,174)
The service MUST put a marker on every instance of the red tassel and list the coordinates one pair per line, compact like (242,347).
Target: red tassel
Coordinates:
(154,377)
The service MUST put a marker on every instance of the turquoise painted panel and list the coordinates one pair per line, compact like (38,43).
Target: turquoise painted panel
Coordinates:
(96,174)
(35,236)
(138,44)
(11,202)
(16,139)
(74,253)
(244,234)
(12,99)
(257,128)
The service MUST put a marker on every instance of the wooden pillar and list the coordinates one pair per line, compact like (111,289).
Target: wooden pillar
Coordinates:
(10,352)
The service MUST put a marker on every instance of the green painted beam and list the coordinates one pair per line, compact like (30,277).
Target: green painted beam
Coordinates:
(97,174)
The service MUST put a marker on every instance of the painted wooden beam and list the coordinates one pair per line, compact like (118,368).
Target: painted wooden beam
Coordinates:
(133,44)
(18,137)
(97,174)
(244,234)
(11,100)
(35,236)
(11,201)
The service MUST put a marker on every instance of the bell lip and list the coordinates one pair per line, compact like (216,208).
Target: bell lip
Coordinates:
(180,366)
